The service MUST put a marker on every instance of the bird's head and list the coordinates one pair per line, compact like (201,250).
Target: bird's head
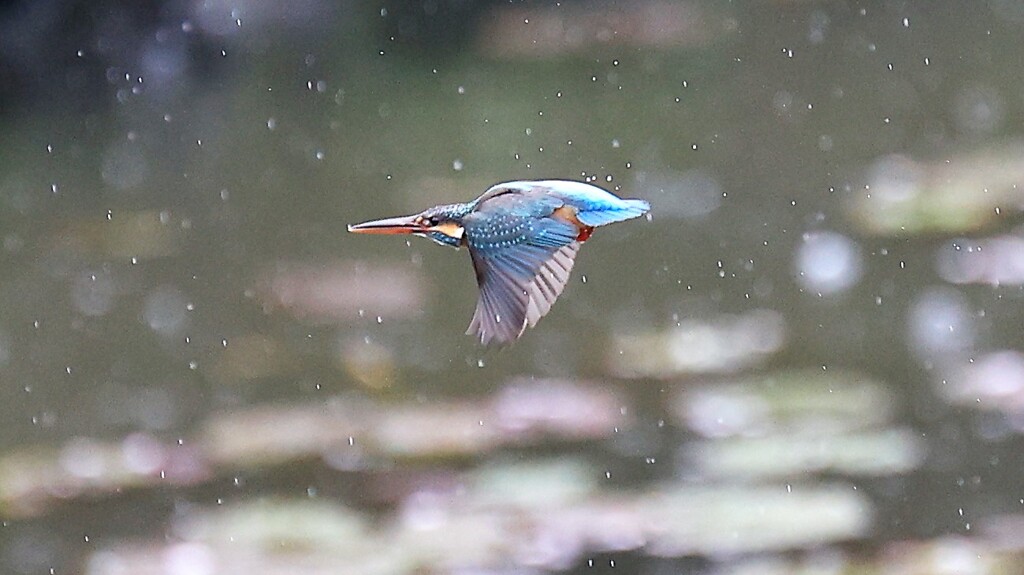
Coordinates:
(443,224)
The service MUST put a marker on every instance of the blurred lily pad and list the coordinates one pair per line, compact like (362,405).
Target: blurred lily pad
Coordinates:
(442,429)
(341,291)
(259,538)
(546,516)
(725,344)
(558,30)
(885,452)
(275,524)
(347,432)
(744,519)
(997,261)
(993,381)
(32,479)
(526,412)
(271,435)
(537,484)
(947,555)
(811,401)
(903,196)
(792,422)
(566,408)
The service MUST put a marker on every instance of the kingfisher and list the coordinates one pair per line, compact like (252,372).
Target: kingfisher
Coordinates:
(522,238)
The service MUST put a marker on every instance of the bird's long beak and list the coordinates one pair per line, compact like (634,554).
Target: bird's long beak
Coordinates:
(399,225)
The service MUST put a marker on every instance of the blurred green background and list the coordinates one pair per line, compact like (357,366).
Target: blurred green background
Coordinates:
(808,359)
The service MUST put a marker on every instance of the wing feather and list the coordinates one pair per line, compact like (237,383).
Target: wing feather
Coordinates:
(510,300)
(546,297)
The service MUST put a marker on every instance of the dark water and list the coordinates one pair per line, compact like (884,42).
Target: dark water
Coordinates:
(822,312)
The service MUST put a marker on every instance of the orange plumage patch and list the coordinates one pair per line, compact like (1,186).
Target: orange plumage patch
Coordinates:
(450,229)
(568,214)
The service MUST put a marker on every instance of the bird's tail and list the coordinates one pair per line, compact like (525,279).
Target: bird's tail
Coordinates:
(623,210)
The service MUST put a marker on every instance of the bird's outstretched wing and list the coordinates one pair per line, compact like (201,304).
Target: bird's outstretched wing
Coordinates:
(522,257)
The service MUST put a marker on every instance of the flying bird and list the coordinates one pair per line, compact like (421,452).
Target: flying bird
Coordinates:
(523,238)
